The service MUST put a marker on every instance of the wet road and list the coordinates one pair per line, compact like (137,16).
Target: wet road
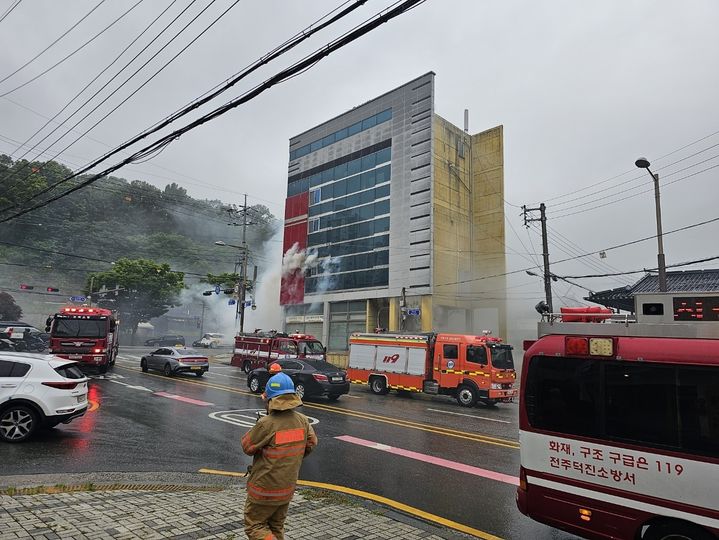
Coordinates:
(427,452)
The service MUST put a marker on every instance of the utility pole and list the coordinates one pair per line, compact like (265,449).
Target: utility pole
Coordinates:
(545,248)
(243,275)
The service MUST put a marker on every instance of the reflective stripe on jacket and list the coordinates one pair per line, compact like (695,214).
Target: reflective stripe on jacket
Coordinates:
(278,443)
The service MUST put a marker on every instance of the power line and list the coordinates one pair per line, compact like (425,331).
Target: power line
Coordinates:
(645,270)
(9,10)
(50,120)
(66,32)
(284,75)
(73,53)
(282,49)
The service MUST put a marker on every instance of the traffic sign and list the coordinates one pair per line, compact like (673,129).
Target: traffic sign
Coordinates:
(217,289)
(77,299)
(248,303)
(231,302)
(415,312)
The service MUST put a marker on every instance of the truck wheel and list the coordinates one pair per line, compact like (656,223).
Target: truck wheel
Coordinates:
(675,530)
(246,366)
(466,396)
(378,385)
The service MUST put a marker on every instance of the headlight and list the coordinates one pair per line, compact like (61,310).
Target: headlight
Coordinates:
(496,386)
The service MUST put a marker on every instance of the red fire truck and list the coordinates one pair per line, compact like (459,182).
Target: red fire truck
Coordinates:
(619,421)
(470,368)
(258,349)
(85,334)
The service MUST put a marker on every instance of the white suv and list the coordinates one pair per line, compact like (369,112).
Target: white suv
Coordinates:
(38,391)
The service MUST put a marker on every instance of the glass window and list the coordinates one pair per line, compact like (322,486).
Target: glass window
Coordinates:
(641,403)
(88,328)
(340,188)
(369,122)
(382,191)
(366,197)
(326,141)
(293,155)
(303,151)
(341,134)
(313,225)
(328,175)
(381,207)
(366,212)
(562,395)
(477,354)
(5,368)
(315,180)
(341,170)
(384,116)
(699,409)
(381,225)
(384,155)
(369,161)
(354,128)
(451,352)
(70,371)
(354,184)
(502,357)
(316,145)
(315,196)
(354,166)
(367,179)
(383,174)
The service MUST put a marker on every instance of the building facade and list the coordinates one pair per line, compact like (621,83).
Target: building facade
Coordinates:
(394,219)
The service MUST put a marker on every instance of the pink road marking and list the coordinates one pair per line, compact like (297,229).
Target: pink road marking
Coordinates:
(185,399)
(469,469)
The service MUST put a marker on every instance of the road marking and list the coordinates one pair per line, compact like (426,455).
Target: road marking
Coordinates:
(475,437)
(134,387)
(471,416)
(245,417)
(184,399)
(382,500)
(213,375)
(454,465)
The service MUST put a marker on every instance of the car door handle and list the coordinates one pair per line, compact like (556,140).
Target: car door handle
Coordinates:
(8,385)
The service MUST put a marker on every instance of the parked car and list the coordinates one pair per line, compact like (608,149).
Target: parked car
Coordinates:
(173,360)
(38,391)
(311,378)
(167,341)
(209,341)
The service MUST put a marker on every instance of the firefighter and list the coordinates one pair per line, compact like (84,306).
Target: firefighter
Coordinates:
(278,442)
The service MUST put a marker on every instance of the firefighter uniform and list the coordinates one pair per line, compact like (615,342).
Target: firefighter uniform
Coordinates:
(278,443)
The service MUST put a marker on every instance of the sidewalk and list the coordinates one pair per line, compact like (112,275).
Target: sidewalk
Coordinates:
(128,506)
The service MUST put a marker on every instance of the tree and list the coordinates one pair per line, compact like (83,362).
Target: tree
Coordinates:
(9,310)
(224,280)
(148,290)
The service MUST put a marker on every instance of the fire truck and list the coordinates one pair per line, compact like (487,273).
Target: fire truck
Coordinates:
(468,367)
(259,349)
(619,420)
(85,334)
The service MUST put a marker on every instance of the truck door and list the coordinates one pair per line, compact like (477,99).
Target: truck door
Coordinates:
(448,362)
(478,365)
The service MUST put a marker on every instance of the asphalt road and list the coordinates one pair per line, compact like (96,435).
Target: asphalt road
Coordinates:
(426,452)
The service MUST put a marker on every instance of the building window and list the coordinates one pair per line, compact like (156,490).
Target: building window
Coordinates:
(345,319)
(313,225)
(315,196)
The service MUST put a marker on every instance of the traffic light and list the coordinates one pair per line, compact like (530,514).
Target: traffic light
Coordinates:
(26,287)
(229,291)
(207,293)
(53,289)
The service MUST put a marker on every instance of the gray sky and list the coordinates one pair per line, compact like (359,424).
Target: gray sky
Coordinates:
(582,89)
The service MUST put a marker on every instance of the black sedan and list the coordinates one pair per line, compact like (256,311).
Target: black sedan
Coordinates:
(311,378)
(166,341)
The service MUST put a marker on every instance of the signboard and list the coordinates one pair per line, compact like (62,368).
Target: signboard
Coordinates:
(217,289)
(248,303)
(414,312)
(231,302)
(77,299)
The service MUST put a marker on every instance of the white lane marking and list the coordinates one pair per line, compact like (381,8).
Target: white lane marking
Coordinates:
(213,375)
(134,387)
(471,416)
(245,417)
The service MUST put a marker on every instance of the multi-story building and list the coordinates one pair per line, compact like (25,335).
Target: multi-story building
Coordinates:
(394,218)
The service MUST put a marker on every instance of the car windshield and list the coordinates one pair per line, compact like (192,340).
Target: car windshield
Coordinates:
(311,347)
(502,357)
(88,328)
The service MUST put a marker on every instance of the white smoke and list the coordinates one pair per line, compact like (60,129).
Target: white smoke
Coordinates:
(266,295)
(298,259)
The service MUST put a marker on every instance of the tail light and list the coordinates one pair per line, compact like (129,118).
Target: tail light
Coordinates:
(61,385)
(320,377)
(522,479)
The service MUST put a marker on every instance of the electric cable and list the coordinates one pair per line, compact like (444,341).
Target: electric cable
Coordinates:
(73,53)
(247,96)
(9,10)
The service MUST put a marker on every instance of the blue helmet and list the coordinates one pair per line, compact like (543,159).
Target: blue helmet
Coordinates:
(279,384)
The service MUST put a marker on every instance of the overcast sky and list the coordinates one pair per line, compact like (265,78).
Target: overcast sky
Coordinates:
(582,89)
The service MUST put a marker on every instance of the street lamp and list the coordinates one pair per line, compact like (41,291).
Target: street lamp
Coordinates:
(643,163)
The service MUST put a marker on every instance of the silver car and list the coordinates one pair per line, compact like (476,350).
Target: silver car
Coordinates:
(173,360)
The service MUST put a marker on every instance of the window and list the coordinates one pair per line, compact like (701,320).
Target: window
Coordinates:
(641,403)
(13,369)
(502,356)
(384,155)
(369,122)
(354,128)
(384,116)
(288,347)
(699,409)
(345,319)
(476,355)
(70,371)
(315,196)
(450,352)
(313,225)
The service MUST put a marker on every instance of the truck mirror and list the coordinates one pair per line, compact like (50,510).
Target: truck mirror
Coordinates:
(113,326)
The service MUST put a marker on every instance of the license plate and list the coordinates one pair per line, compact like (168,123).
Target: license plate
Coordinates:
(336,379)
(198,368)
(74,357)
